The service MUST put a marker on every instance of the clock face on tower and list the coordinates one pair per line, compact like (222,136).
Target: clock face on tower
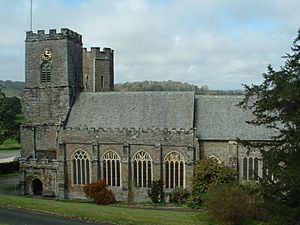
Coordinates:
(46,54)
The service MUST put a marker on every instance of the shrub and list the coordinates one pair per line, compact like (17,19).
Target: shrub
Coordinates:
(156,191)
(179,196)
(253,189)
(207,174)
(229,204)
(99,192)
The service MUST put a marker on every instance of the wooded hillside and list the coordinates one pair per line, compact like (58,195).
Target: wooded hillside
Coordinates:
(14,88)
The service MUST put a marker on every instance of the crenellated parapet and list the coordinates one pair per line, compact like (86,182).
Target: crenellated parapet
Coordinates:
(170,137)
(133,130)
(106,53)
(98,69)
(53,35)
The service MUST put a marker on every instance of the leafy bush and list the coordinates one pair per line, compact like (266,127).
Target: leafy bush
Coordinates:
(179,196)
(99,192)
(229,204)
(207,174)
(156,192)
(253,189)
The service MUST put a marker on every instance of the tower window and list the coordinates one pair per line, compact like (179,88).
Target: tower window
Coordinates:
(46,72)
(101,82)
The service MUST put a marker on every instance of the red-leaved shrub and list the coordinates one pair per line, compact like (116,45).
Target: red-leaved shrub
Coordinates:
(99,192)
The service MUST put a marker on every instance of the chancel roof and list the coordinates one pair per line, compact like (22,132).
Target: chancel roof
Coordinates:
(219,118)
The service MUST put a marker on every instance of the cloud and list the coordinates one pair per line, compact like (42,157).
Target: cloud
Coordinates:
(220,43)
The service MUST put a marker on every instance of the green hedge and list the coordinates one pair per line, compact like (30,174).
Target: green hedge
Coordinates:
(9,167)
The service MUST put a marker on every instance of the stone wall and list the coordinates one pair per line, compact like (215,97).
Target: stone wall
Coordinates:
(39,141)
(46,105)
(126,143)
(47,172)
(231,153)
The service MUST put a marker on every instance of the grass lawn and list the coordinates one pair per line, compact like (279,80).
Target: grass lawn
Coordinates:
(10,144)
(108,214)
(5,175)
(10,152)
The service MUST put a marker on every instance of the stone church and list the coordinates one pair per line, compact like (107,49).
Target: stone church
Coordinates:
(78,130)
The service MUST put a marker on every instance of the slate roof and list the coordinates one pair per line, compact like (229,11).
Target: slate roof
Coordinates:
(141,110)
(218,118)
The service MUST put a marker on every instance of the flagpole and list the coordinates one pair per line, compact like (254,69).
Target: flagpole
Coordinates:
(30,15)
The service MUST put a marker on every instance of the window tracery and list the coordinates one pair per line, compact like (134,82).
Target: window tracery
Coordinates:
(111,167)
(174,170)
(142,169)
(81,168)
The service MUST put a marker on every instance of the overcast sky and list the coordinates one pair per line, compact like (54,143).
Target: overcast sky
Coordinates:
(219,43)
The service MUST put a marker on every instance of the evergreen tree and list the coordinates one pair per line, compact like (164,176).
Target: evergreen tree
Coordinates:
(9,108)
(275,104)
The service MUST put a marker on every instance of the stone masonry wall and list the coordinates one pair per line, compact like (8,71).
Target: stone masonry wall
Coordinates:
(46,105)
(126,143)
(231,153)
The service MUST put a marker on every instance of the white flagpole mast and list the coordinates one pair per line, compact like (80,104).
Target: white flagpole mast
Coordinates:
(30,15)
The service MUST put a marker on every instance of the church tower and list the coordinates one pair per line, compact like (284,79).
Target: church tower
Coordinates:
(98,69)
(53,75)
(53,80)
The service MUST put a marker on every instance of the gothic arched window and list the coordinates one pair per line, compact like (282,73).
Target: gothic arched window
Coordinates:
(81,168)
(245,168)
(142,169)
(111,168)
(174,170)
(46,69)
(251,168)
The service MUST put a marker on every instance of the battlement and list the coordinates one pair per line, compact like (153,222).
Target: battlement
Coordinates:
(97,52)
(133,130)
(182,137)
(53,35)
(114,130)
